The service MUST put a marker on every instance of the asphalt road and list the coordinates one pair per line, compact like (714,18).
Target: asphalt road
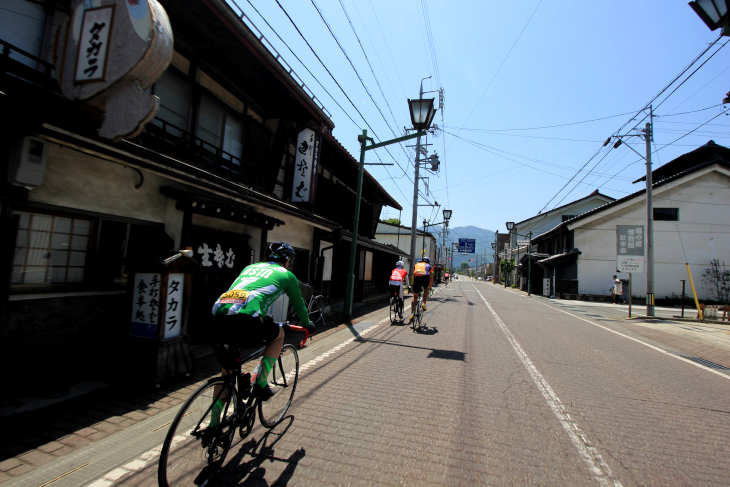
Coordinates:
(499,389)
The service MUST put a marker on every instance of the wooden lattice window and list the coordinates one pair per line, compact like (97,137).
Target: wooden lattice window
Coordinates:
(50,248)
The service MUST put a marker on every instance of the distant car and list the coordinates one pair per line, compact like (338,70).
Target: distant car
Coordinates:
(490,278)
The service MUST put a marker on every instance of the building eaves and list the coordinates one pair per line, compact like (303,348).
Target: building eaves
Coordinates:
(709,152)
(389,201)
(133,155)
(637,194)
(557,210)
(372,243)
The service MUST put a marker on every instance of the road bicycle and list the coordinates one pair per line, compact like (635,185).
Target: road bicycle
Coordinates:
(315,307)
(418,313)
(396,305)
(202,432)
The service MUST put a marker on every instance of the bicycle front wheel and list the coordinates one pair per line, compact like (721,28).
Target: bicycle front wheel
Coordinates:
(283,382)
(199,437)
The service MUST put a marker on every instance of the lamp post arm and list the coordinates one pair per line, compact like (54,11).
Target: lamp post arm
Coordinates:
(395,141)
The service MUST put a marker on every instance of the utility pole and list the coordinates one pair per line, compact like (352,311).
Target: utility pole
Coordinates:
(648,132)
(414,223)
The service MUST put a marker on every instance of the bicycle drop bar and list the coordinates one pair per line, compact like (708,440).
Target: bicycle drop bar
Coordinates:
(287,326)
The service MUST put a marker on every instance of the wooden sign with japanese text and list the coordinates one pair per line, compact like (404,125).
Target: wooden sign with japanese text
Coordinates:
(107,53)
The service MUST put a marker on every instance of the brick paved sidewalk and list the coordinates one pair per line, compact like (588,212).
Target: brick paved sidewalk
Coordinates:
(33,439)
(694,345)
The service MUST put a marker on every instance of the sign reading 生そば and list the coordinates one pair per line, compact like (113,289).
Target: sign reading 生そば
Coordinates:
(630,248)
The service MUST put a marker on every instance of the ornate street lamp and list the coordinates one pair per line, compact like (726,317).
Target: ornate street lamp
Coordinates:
(422,112)
(714,13)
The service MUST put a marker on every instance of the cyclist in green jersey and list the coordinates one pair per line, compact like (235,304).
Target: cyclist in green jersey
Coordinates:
(239,314)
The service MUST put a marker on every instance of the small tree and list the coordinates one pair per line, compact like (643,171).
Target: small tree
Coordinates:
(393,221)
(717,277)
(506,266)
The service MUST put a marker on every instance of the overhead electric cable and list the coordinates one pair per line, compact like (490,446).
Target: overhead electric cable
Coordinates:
(646,106)
(368,60)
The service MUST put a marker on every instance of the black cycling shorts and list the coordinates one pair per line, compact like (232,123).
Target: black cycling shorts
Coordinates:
(230,333)
(420,283)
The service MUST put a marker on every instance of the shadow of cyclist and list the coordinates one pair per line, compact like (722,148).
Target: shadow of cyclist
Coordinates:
(252,473)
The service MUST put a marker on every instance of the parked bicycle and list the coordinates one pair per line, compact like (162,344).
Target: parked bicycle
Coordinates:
(315,306)
(199,437)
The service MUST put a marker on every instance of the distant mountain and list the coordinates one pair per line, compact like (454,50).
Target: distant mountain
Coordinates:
(483,237)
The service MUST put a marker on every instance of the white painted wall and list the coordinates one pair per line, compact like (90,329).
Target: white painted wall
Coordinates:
(387,234)
(296,232)
(704,227)
(76,180)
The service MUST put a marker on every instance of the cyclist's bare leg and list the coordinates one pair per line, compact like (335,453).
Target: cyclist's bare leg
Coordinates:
(273,348)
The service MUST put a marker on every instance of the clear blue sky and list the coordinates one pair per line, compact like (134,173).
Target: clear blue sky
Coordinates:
(506,66)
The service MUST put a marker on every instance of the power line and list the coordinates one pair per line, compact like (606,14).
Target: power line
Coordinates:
(340,87)
(642,110)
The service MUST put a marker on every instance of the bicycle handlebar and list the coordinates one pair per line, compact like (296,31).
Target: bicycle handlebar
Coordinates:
(286,325)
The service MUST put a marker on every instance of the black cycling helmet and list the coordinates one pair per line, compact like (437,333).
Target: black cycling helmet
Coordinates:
(281,252)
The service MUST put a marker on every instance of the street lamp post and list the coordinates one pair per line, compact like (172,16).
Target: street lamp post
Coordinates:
(494,261)
(421,114)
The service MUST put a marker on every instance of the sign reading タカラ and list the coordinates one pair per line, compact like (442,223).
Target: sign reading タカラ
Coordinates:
(630,248)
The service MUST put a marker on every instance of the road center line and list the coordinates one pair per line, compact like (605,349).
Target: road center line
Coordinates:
(588,453)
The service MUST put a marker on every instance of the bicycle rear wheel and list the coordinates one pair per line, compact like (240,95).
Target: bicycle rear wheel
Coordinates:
(316,310)
(420,315)
(283,381)
(193,450)
(393,309)
(416,315)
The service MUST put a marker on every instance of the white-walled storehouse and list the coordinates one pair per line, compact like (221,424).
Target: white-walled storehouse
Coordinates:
(691,222)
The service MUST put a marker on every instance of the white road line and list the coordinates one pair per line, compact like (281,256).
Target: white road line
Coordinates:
(704,367)
(588,453)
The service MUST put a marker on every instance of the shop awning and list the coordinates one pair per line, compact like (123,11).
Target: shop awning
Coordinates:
(371,244)
(559,259)
(219,207)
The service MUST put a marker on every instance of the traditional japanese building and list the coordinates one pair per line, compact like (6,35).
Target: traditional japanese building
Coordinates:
(239,154)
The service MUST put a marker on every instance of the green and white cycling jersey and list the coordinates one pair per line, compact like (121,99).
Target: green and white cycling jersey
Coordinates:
(257,287)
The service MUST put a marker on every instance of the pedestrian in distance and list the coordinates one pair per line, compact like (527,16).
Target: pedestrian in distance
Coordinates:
(617,290)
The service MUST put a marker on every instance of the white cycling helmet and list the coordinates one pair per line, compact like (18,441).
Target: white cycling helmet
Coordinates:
(400,264)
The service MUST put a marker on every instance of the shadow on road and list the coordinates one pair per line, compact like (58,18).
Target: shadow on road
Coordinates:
(252,472)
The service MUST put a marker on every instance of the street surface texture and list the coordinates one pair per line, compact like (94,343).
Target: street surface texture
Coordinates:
(497,389)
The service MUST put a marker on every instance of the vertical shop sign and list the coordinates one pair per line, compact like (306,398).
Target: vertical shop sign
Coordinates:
(304,159)
(174,304)
(146,305)
(94,45)
(315,163)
